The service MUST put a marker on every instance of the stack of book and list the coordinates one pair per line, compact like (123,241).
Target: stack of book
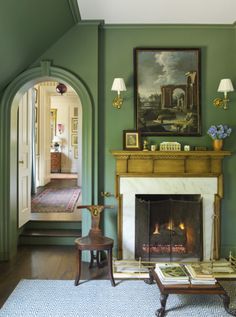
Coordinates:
(171,273)
(200,275)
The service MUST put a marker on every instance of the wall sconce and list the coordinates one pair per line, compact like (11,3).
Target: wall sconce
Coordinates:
(225,86)
(60,128)
(118,85)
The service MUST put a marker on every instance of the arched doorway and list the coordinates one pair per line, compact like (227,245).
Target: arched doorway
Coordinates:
(8,144)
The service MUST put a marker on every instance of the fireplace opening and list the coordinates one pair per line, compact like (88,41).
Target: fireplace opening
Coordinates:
(168,227)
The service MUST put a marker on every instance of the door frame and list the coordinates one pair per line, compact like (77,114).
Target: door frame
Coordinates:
(8,147)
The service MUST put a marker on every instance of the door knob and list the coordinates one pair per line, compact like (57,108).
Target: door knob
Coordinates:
(21,162)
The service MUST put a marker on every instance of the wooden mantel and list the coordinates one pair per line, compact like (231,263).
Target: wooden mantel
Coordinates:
(175,163)
(172,164)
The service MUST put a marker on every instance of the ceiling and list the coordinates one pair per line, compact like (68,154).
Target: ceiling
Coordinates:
(159,11)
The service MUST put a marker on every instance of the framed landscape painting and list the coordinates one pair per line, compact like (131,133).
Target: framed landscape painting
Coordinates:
(167,91)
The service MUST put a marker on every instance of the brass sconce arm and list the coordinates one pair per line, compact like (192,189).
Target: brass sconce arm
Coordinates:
(117,102)
(118,85)
(218,103)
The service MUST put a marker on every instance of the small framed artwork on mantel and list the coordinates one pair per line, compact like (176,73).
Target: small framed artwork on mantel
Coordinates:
(131,140)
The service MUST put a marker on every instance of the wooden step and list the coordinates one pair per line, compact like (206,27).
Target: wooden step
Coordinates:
(51,233)
(49,236)
(39,224)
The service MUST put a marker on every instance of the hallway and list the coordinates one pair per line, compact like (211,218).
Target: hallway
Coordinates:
(59,180)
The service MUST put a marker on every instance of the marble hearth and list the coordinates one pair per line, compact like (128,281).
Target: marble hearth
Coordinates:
(169,173)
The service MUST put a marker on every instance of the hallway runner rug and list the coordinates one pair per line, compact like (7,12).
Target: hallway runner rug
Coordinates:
(97,298)
(55,200)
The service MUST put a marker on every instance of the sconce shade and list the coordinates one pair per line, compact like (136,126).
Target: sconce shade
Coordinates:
(60,127)
(118,85)
(225,85)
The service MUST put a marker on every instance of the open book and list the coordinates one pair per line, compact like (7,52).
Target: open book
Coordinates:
(172,273)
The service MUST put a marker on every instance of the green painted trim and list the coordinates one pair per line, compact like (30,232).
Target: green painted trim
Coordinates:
(73,4)
(8,146)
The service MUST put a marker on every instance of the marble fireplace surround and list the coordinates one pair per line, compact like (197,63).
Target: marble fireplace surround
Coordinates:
(193,172)
(130,186)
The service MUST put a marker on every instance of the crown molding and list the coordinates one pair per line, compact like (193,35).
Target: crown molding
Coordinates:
(170,26)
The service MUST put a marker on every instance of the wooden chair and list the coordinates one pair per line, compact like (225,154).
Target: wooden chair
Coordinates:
(94,241)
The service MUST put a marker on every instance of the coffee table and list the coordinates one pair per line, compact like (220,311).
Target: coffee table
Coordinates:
(166,290)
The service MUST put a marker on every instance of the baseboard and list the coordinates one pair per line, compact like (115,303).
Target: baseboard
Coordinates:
(4,256)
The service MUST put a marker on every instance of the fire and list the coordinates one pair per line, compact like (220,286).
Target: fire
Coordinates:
(156,231)
(170,225)
(182,226)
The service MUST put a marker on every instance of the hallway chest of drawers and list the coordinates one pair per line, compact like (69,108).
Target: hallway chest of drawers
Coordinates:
(55,162)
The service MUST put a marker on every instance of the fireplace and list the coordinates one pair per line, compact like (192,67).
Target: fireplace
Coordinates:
(170,173)
(168,227)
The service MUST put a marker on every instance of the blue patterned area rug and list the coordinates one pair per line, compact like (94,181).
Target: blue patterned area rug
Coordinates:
(97,298)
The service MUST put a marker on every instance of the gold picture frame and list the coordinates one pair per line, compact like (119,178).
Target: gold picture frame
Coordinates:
(76,154)
(53,123)
(131,140)
(74,125)
(74,139)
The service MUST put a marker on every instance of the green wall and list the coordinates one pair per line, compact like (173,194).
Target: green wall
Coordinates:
(217,45)
(27,29)
(97,53)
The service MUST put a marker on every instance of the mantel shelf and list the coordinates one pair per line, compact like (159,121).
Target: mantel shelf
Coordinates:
(199,163)
(172,153)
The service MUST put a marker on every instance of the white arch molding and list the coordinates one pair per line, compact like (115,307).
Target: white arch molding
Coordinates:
(8,148)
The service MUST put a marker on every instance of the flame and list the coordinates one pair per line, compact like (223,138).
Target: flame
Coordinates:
(182,226)
(156,231)
(170,225)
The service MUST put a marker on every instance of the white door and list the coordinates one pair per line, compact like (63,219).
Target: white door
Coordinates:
(24,158)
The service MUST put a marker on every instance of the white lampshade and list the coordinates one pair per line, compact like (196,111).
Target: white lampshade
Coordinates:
(225,85)
(56,139)
(118,85)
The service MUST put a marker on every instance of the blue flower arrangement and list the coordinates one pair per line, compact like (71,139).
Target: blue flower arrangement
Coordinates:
(219,132)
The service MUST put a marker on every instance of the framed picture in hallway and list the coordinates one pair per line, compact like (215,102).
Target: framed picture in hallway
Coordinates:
(76,152)
(53,123)
(74,139)
(74,125)
(167,91)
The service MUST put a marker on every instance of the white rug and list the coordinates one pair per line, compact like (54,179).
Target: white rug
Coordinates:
(97,298)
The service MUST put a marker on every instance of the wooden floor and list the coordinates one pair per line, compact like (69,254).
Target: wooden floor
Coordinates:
(43,262)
